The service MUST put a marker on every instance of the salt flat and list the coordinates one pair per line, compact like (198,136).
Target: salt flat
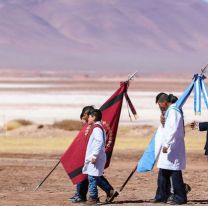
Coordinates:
(43,107)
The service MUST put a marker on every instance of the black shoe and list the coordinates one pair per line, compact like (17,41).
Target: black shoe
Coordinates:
(170,198)
(74,197)
(78,200)
(173,202)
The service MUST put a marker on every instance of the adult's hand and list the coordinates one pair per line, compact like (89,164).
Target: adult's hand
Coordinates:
(165,150)
(194,125)
(93,161)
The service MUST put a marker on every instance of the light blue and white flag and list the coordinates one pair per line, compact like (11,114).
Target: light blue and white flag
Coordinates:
(150,155)
(199,89)
(204,91)
(197,95)
(182,99)
(147,161)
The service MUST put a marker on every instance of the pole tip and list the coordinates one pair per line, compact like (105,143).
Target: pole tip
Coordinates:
(36,188)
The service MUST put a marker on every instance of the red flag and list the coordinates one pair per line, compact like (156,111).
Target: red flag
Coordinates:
(73,158)
(111,111)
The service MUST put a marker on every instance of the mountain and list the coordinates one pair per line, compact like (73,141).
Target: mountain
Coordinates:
(102,35)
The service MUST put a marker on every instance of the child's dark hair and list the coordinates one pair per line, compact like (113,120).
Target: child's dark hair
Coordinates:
(161,97)
(97,114)
(172,99)
(86,110)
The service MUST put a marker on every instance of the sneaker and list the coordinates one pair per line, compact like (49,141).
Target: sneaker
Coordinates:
(78,200)
(175,203)
(113,194)
(170,198)
(74,197)
(187,188)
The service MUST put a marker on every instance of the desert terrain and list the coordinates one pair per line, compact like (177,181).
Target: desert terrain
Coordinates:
(26,159)
(29,149)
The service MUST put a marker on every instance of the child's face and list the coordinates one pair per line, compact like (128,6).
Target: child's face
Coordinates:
(83,121)
(85,118)
(91,119)
(163,106)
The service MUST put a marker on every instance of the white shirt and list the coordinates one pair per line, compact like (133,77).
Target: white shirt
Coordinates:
(95,150)
(173,139)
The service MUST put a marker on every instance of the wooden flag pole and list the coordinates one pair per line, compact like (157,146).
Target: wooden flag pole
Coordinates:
(134,170)
(124,184)
(128,178)
(48,175)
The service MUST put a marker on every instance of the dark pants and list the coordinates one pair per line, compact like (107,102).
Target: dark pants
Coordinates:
(102,182)
(82,189)
(164,185)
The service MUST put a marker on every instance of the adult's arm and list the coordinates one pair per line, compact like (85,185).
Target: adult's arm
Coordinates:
(203,126)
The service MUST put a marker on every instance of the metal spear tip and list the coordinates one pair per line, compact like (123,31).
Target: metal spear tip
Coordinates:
(131,76)
(36,188)
(203,71)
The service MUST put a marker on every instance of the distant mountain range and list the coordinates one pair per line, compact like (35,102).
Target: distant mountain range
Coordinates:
(104,35)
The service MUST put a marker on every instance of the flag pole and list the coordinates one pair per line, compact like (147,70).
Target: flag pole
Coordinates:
(131,76)
(47,175)
(128,178)
(203,71)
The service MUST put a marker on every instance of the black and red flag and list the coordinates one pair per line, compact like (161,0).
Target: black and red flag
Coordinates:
(73,159)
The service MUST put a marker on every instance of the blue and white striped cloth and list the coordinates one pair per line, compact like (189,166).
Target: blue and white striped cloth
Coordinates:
(204,91)
(150,155)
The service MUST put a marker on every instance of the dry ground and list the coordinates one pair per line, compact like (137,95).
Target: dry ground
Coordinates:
(22,169)
(20,173)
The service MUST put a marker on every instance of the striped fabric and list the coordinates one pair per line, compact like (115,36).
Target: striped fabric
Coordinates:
(149,157)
